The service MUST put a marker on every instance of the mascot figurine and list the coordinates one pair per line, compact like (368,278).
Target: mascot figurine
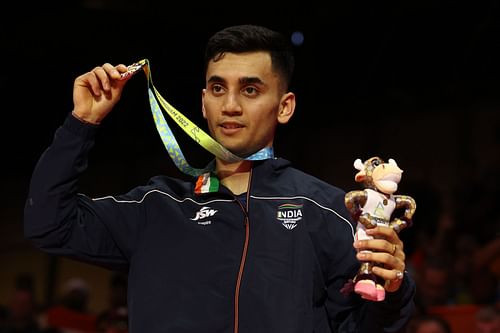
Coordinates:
(375,206)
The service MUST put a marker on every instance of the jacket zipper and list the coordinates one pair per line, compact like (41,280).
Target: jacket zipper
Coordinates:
(243,255)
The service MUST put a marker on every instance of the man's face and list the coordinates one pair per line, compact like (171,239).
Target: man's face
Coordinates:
(243,101)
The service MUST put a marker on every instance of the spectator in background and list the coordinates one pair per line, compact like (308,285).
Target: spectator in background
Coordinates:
(71,314)
(21,314)
(428,324)
(464,271)
(487,320)
(434,283)
(115,318)
(486,286)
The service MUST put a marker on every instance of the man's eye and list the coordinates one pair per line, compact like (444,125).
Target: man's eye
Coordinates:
(250,90)
(216,88)
(376,163)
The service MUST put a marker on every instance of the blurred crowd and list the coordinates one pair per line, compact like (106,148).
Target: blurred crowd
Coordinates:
(453,252)
(70,313)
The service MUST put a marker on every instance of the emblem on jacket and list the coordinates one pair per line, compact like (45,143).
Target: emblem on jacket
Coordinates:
(289,214)
(203,213)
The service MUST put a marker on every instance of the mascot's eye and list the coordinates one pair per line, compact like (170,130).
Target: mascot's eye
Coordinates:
(375,163)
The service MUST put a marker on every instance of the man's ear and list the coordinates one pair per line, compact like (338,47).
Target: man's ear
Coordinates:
(287,108)
(203,103)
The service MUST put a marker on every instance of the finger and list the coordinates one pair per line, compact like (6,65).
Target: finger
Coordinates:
(121,68)
(114,71)
(102,78)
(382,259)
(91,81)
(388,274)
(398,252)
(380,245)
(382,231)
(393,279)
(388,234)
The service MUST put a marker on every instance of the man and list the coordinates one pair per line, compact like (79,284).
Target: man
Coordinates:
(267,249)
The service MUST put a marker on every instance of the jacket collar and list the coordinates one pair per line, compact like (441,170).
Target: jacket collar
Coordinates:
(264,172)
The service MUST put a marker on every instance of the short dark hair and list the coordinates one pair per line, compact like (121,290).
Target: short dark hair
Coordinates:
(250,38)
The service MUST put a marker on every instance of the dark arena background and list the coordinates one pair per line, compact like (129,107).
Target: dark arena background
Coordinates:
(416,81)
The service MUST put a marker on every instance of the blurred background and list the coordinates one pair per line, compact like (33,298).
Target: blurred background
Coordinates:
(417,81)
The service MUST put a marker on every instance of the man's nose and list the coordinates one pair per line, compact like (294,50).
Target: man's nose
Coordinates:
(232,104)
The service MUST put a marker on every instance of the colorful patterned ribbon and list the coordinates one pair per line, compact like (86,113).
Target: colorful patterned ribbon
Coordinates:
(196,133)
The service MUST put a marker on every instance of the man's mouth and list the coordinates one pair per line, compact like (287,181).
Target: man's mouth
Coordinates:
(231,125)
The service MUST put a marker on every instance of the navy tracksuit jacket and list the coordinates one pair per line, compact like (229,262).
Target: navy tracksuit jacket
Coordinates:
(210,262)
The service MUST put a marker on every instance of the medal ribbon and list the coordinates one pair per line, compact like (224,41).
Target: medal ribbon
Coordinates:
(195,132)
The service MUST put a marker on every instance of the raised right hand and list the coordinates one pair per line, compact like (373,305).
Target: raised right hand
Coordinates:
(95,93)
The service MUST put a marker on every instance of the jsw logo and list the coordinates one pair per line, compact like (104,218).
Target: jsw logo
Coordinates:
(204,213)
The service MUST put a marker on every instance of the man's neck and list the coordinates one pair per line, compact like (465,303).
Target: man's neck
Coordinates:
(234,176)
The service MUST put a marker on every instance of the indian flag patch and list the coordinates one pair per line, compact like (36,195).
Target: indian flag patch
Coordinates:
(206,183)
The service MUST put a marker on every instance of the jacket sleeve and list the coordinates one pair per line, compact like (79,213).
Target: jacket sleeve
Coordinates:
(392,314)
(348,312)
(61,221)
